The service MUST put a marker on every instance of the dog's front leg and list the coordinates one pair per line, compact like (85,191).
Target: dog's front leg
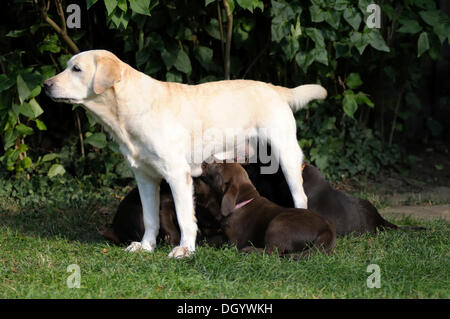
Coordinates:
(181,184)
(149,193)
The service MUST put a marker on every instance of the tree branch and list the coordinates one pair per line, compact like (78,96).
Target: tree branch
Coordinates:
(229,35)
(219,16)
(45,6)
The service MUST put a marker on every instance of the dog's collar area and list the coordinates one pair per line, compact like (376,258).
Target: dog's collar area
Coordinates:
(303,166)
(242,204)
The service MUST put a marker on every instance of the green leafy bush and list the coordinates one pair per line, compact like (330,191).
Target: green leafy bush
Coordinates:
(372,75)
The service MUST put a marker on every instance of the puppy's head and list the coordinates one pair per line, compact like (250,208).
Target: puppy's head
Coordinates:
(225,179)
(88,74)
(313,180)
(207,198)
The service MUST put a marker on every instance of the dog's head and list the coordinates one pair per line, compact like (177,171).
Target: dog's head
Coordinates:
(87,75)
(206,198)
(226,180)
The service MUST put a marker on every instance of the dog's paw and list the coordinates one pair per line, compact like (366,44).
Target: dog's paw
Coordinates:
(135,246)
(180,252)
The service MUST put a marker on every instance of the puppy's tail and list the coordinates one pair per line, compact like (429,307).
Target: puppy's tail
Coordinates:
(388,225)
(110,235)
(300,96)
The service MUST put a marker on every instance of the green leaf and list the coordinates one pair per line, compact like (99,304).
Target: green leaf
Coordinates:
(36,108)
(353,17)
(97,140)
(251,4)
(110,6)
(56,169)
(174,76)
(282,16)
(359,41)
(422,44)
(169,57)
(320,55)
(231,4)
(24,130)
(431,17)
(304,60)
(120,18)
(349,104)
(26,162)
(140,6)
(40,125)
(122,4)
(208,2)
(409,26)
(182,62)
(204,55)
(50,44)
(376,41)
(49,157)
(333,18)
(316,36)
(25,109)
(213,29)
(354,81)
(362,98)
(317,14)
(17,33)
(90,3)
(142,57)
(31,109)
(22,89)
(6,82)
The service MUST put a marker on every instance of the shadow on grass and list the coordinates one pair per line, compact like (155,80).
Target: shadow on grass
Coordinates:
(77,222)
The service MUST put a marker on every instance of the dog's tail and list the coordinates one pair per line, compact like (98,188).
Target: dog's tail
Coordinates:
(388,225)
(300,96)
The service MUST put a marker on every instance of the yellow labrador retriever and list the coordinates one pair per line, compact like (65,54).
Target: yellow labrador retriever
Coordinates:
(155,124)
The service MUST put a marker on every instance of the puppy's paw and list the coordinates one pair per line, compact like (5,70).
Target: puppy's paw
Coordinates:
(135,246)
(180,252)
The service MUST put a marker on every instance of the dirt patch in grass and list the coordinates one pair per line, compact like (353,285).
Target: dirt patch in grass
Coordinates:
(427,181)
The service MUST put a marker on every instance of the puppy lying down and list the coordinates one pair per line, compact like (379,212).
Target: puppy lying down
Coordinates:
(252,222)
(349,214)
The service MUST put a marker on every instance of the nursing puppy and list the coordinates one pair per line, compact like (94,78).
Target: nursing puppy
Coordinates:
(349,214)
(251,221)
(160,128)
(128,225)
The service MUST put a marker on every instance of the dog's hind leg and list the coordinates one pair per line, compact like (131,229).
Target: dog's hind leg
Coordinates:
(285,147)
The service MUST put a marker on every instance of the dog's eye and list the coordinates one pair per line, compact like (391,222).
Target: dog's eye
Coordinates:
(75,68)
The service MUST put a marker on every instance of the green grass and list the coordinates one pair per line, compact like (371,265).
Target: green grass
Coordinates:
(41,235)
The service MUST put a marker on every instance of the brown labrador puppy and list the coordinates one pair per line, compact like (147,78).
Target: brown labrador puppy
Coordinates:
(249,219)
(128,224)
(350,215)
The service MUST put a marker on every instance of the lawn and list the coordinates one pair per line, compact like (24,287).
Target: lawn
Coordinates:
(41,234)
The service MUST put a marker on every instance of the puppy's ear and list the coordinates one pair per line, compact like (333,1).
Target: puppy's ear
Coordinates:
(229,200)
(107,74)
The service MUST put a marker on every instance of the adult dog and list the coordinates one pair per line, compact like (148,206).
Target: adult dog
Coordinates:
(156,122)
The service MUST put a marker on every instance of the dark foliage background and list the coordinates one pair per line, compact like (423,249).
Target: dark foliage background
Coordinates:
(388,87)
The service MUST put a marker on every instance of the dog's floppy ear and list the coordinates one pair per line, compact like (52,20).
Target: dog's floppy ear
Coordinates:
(107,74)
(229,200)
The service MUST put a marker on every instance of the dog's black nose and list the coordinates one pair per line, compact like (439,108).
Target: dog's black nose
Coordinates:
(48,84)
